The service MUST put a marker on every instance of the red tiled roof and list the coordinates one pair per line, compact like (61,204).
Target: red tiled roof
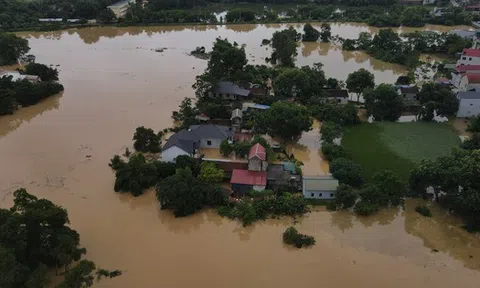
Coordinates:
(473,78)
(258,151)
(246,177)
(465,68)
(471,52)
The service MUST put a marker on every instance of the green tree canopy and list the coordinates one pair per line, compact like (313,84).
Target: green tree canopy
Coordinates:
(384,103)
(446,104)
(210,173)
(43,71)
(326,35)
(330,131)
(226,59)
(360,80)
(284,119)
(346,172)
(310,34)
(284,44)
(12,48)
(146,140)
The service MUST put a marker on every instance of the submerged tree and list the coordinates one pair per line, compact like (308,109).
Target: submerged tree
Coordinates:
(12,48)
(146,140)
(360,80)
(384,103)
(326,35)
(310,34)
(284,44)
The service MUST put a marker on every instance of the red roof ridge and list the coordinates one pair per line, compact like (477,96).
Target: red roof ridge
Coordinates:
(247,177)
(473,78)
(464,68)
(258,151)
(471,52)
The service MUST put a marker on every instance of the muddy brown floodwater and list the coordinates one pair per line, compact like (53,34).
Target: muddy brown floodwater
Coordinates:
(114,82)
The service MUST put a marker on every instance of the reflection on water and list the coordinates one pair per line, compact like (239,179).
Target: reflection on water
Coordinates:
(116,84)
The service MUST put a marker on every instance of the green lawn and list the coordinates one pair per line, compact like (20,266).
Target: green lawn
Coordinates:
(397,146)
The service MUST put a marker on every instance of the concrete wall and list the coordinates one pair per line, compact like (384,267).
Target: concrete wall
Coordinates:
(318,194)
(171,153)
(468,60)
(468,108)
(258,188)
(215,143)
(256,164)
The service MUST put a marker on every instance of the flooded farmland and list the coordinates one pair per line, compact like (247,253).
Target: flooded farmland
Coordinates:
(114,82)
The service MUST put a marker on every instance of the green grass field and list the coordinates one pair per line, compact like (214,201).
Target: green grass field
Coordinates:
(397,146)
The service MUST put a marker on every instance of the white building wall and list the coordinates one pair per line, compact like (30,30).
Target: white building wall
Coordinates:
(468,108)
(468,60)
(214,143)
(318,194)
(172,153)
(258,188)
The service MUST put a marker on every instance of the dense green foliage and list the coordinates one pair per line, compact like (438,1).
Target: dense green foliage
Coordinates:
(145,140)
(333,151)
(360,80)
(43,71)
(330,131)
(343,115)
(284,45)
(474,124)
(24,93)
(292,237)
(250,210)
(240,15)
(346,172)
(384,103)
(397,146)
(185,194)
(423,210)
(35,237)
(310,34)
(12,48)
(442,98)
(284,119)
(135,176)
(455,183)
(326,33)
(210,173)
(345,197)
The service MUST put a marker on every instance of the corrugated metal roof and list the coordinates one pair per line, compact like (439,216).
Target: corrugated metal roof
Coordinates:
(320,183)
(237,113)
(468,95)
(231,88)
(246,177)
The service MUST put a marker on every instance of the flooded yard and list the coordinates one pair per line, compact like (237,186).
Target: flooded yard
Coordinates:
(115,82)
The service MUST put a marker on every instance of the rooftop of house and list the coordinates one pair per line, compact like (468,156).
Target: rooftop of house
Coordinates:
(471,52)
(337,93)
(465,68)
(469,95)
(473,78)
(16,76)
(237,113)
(246,177)
(121,3)
(409,89)
(466,34)
(187,139)
(320,183)
(257,151)
(247,105)
(231,88)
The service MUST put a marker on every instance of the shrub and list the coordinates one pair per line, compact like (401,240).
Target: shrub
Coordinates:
(365,208)
(333,151)
(423,210)
(292,237)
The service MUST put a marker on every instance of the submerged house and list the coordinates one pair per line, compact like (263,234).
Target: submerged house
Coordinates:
(229,91)
(282,177)
(237,117)
(257,158)
(189,141)
(469,104)
(255,178)
(319,187)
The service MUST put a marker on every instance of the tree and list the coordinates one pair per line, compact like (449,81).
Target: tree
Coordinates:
(392,189)
(384,103)
(241,148)
(446,103)
(7,102)
(240,15)
(106,16)
(226,148)
(427,112)
(284,44)
(330,131)
(185,194)
(333,151)
(146,140)
(43,71)
(226,59)
(346,172)
(345,197)
(12,48)
(403,80)
(326,34)
(360,80)
(135,176)
(310,34)
(83,275)
(284,119)
(349,45)
(474,124)
(187,111)
(343,115)
(292,237)
(209,173)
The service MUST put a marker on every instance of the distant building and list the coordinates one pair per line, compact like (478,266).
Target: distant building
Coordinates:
(257,158)
(475,9)
(469,82)
(229,91)
(469,104)
(408,93)
(189,141)
(248,106)
(120,8)
(461,71)
(339,96)
(16,76)
(237,116)
(244,181)
(320,187)
(469,57)
(465,34)
(50,20)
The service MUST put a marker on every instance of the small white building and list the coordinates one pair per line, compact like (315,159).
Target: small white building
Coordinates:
(469,82)
(319,187)
(461,71)
(469,104)
(257,158)
(120,8)
(469,56)
(16,76)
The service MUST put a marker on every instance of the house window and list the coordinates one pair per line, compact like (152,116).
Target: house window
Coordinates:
(470,58)
(319,194)
(464,58)
(312,195)
(209,143)
(331,194)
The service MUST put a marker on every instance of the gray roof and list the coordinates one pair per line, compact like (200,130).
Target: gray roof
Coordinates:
(237,113)
(412,89)
(231,88)
(188,140)
(320,183)
(466,34)
(468,95)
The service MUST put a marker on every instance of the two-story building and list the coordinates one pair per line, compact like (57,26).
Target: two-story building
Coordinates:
(462,70)
(120,8)
(255,178)
(469,56)
(469,82)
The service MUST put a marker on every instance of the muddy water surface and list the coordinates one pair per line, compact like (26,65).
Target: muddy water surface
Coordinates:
(114,82)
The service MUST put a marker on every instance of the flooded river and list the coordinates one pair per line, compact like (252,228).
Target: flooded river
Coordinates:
(114,82)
